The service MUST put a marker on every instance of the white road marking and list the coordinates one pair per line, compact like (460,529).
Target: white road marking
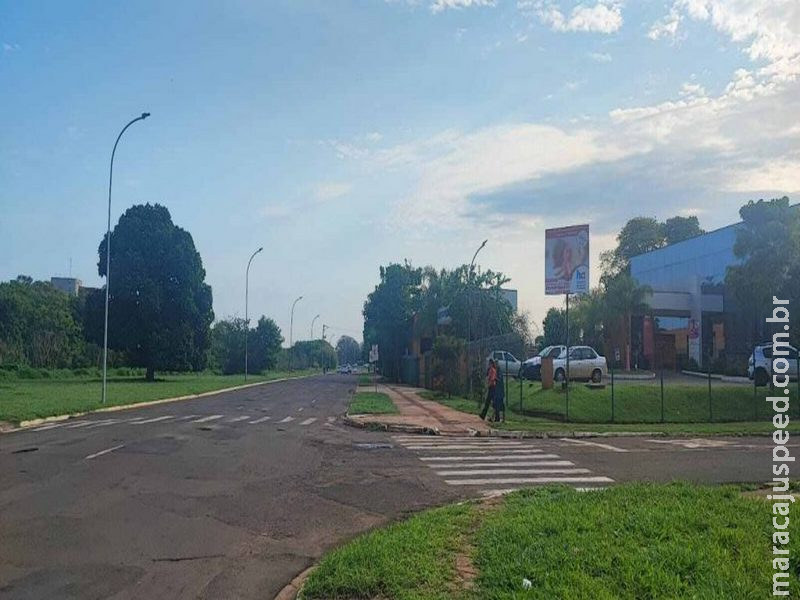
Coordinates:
(490,451)
(308,421)
(695,443)
(493,456)
(237,419)
(261,420)
(471,472)
(79,424)
(287,420)
(207,419)
(154,420)
(527,480)
(186,417)
(464,447)
(504,464)
(104,423)
(46,427)
(595,444)
(331,419)
(300,409)
(102,452)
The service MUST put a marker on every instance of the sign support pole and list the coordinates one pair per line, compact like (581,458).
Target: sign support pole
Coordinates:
(566,375)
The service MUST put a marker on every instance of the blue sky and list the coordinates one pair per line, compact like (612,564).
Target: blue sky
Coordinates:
(344,135)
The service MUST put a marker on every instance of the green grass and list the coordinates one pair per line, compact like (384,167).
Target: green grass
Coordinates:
(412,560)
(372,403)
(25,399)
(630,541)
(637,407)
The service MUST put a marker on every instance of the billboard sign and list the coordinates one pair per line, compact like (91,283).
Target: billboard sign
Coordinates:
(373,353)
(566,269)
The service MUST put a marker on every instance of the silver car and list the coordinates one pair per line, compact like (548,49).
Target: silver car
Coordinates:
(505,359)
(584,363)
(760,364)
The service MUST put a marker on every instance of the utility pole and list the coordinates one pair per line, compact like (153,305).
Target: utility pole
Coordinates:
(314,320)
(246,318)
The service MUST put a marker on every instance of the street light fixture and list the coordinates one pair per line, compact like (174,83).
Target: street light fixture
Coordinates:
(314,320)
(246,317)
(291,322)
(142,117)
(469,315)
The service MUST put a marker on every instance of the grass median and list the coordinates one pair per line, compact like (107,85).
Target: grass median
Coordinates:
(372,403)
(732,409)
(25,399)
(630,541)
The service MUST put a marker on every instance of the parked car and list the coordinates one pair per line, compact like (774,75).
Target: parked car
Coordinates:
(761,367)
(503,358)
(344,369)
(584,363)
(532,368)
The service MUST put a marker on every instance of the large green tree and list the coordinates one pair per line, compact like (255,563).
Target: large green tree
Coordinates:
(228,345)
(348,350)
(768,246)
(40,326)
(554,328)
(160,308)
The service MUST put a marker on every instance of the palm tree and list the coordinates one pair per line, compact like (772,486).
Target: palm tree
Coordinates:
(625,298)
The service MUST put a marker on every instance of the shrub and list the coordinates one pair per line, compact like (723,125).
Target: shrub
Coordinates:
(27,372)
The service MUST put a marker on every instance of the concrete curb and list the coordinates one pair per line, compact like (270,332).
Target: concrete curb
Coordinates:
(396,427)
(294,589)
(632,377)
(718,377)
(23,425)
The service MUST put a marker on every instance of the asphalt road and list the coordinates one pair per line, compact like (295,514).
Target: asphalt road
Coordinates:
(231,496)
(184,503)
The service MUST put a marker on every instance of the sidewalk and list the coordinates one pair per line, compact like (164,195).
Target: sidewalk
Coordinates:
(418,414)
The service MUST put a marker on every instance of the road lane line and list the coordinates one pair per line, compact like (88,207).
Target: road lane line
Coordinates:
(594,444)
(261,420)
(308,421)
(79,424)
(331,419)
(207,419)
(464,447)
(187,417)
(287,420)
(102,452)
(503,464)
(237,419)
(46,427)
(154,420)
(471,473)
(526,480)
(494,456)
(104,423)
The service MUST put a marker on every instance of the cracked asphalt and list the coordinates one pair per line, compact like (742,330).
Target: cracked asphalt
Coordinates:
(221,508)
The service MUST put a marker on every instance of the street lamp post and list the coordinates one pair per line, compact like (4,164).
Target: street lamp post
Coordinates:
(314,320)
(246,316)
(291,321)
(142,117)
(469,316)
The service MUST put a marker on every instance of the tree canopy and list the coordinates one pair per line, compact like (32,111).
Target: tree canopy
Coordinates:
(228,345)
(348,350)
(160,308)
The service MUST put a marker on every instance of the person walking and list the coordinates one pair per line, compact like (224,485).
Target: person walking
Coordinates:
(499,401)
(491,384)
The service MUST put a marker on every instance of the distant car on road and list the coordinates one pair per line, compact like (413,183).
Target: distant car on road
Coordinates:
(584,363)
(532,368)
(345,369)
(503,358)
(761,368)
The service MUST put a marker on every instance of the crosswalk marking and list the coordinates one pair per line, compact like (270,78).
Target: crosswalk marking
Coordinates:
(471,472)
(208,418)
(237,419)
(79,424)
(308,421)
(261,420)
(51,426)
(154,420)
(331,419)
(287,420)
(491,456)
(506,464)
(104,423)
(528,480)
(500,466)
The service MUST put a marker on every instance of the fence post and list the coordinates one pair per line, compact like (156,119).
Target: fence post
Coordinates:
(505,391)
(797,400)
(755,387)
(520,391)
(710,408)
(662,392)
(612,393)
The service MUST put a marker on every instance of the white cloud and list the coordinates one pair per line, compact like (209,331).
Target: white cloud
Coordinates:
(324,192)
(600,57)
(666,27)
(603,17)
(440,5)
